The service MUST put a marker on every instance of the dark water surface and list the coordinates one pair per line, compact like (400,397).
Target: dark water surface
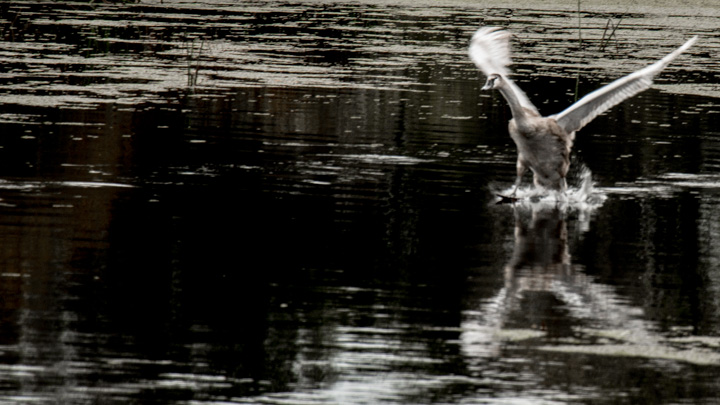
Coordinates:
(291,203)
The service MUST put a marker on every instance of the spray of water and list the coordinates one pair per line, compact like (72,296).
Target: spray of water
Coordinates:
(581,196)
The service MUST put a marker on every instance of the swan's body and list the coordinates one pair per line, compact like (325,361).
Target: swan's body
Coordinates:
(544,143)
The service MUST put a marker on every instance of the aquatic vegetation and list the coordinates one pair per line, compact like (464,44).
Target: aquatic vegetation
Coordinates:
(194,55)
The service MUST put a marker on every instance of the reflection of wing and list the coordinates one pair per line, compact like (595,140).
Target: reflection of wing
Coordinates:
(587,108)
(490,51)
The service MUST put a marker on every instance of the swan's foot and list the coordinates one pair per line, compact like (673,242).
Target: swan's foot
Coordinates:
(507,199)
(511,198)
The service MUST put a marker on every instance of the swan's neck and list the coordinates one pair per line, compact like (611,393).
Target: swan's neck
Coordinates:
(518,111)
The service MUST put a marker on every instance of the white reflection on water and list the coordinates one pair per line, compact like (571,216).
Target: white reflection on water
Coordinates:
(38,185)
(541,265)
(385,159)
(667,185)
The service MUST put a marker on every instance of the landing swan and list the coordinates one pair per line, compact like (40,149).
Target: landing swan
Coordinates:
(544,143)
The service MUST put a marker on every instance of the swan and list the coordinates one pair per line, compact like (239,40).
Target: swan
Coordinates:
(544,143)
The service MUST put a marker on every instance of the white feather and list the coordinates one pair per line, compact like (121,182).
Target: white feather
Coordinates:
(587,108)
(490,51)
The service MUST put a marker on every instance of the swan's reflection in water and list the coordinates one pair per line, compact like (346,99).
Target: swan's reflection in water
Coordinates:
(538,278)
(540,260)
(551,304)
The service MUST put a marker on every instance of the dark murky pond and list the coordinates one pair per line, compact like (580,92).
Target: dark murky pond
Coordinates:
(292,203)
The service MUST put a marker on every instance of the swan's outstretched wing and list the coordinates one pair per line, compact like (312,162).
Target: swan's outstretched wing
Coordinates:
(490,51)
(587,108)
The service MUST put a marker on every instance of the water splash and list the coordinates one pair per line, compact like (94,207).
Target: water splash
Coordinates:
(583,196)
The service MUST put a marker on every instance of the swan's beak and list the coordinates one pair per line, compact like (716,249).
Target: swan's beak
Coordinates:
(490,83)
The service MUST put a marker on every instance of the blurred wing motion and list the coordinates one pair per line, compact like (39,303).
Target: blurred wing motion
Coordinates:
(490,51)
(587,108)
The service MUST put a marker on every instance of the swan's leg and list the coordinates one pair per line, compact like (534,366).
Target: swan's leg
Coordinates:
(518,180)
(521,169)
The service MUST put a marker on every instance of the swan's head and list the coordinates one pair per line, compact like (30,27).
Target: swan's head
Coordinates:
(494,81)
